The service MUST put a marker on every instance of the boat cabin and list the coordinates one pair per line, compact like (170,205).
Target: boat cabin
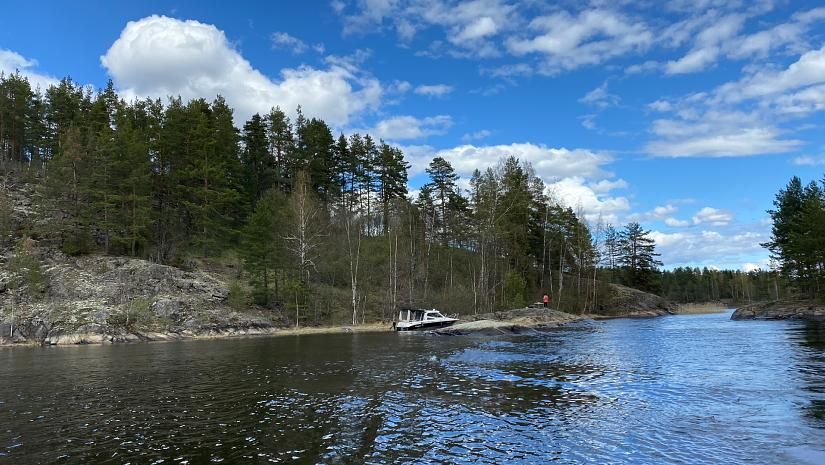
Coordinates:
(415,318)
(417,314)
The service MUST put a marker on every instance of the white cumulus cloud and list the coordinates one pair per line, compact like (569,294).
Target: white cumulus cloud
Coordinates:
(407,127)
(808,70)
(11,62)
(159,56)
(712,216)
(676,223)
(709,248)
(574,177)
(591,37)
(717,133)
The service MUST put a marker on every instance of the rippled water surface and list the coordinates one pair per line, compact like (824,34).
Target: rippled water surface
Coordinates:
(683,389)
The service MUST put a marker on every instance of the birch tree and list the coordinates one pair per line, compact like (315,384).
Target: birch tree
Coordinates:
(354,253)
(305,233)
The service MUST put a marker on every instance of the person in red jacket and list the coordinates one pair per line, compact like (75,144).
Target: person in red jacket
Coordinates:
(545,300)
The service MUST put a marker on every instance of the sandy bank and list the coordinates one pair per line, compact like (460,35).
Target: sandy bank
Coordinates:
(701,308)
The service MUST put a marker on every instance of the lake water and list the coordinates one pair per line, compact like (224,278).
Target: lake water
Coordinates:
(683,389)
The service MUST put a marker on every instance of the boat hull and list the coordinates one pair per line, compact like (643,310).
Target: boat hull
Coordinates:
(424,325)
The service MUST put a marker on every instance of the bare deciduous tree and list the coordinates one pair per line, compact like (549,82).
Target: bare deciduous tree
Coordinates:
(305,232)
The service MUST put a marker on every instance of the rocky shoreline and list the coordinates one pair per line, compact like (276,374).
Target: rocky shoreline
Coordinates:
(781,310)
(101,299)
(538,319)
(97,299)
(518,321)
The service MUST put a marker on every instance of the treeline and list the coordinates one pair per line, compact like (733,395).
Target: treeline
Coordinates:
(798,236)
(317,226)
(694,285)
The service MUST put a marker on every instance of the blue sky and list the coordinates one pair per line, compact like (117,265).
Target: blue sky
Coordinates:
(686,116)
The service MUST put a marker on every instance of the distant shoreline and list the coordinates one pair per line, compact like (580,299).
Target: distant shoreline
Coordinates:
(702,308)
(505,322)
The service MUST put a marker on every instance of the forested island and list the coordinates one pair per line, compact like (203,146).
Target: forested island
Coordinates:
(129,217)
(797,246)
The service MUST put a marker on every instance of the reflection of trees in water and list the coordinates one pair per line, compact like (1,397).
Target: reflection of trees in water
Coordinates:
(812,370)
(815,335)
(506,389)
(816,410)
(439,408)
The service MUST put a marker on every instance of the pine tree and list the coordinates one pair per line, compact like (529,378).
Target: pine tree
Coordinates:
(281,146)
(367,155)
(638,257)
(134,173)
(103,181)
(356,168)
(442,185)
(169,175)
(317,159)
(391,174)
(806,241)
(788,203)
(516,198)
(63,109)
(207,188)
(258,165)
(341,173)
(68,194)
(15,118)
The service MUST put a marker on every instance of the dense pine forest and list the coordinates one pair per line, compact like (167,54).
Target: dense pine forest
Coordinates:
(798,237)
(306,220)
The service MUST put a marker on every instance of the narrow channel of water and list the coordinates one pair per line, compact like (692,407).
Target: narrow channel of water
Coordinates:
(683,389)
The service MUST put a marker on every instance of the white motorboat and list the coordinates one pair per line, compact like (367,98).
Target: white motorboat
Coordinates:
(412,319)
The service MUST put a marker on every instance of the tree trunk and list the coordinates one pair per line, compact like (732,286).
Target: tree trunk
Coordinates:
(561,274)
(354,260)
(11,324)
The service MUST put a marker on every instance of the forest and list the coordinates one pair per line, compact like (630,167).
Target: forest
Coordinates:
(307,221)
(797,241)
(797,247)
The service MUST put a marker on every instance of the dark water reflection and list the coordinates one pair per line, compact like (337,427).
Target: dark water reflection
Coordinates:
(688,389)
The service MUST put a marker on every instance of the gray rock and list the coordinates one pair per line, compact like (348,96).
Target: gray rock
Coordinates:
(629,302)
(167,308)
(781,310)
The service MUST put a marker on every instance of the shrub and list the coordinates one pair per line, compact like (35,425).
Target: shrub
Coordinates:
(238,298)
(77,243)
(137,314)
